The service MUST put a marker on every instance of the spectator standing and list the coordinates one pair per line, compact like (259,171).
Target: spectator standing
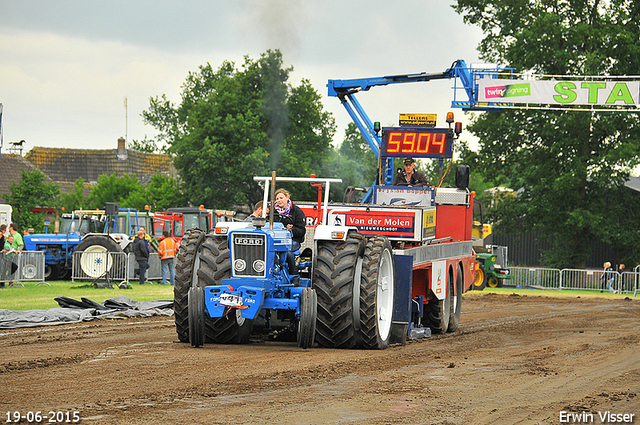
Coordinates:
(142,254)
(167,253)
(608,277)
(18,242)
(3,230)
(621,270)
(9,265)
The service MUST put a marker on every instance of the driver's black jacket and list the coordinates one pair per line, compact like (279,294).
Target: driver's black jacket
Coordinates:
(417,179)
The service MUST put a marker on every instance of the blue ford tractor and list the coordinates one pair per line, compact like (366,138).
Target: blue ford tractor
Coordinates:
(59,247)
(259,280)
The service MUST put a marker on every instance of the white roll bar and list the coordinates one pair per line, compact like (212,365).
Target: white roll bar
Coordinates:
(325,182)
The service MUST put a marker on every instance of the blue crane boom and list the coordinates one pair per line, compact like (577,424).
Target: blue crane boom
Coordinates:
(345,90)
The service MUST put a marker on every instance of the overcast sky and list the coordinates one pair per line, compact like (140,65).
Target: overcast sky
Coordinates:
(67,66)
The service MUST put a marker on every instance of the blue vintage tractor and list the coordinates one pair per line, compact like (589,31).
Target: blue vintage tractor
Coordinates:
(59,247)
(249,272)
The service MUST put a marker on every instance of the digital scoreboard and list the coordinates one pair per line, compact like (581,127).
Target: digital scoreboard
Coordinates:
(417,142)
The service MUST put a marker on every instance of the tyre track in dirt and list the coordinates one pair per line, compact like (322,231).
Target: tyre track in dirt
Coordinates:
(514,359)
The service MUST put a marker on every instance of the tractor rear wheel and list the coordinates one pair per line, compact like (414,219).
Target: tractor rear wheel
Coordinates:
(439,311)
(96,260)
(196,316)
(376,293)
(480,280)
(214,267)
(308,317)
(51,272)
(187,260)
(337,266)
(456,301)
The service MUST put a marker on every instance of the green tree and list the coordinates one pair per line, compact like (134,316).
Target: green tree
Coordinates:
(233,124)
(126,190)
(164,192)
(75,198)
(145,145)
(567,164)
(32,191)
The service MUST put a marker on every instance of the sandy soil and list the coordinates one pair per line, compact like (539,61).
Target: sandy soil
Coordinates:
(514,360)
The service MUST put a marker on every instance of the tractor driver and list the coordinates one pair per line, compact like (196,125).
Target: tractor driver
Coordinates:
(294,220)
(409,176)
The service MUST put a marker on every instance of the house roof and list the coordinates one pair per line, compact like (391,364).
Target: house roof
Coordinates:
(67,165)
(11,166)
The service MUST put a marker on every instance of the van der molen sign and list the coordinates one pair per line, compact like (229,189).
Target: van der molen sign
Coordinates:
(604,93)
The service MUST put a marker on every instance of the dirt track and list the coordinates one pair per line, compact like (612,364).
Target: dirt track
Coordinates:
(514,360)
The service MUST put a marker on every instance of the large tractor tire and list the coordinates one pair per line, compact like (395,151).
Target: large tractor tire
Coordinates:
(186,261)
(376,293)
(480,280)
(215,266)
(92,263)
(337,266)
(456,301)
(439,311)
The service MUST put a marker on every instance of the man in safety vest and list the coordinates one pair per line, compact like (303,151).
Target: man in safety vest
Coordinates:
(167,252)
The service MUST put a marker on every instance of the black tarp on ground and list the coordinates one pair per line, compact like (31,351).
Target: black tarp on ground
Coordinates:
(72,310)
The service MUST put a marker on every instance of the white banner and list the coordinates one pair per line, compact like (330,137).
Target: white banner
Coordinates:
(604,93)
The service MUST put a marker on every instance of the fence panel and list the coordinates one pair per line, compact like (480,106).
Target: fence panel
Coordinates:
(629,282)
(154,272)
(99,265)
(26,266)
(591,280)
(535,277)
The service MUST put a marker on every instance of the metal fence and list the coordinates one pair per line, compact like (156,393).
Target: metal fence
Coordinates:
(591,280)
(99,265)
(154,272)
(26,266)
(108,266)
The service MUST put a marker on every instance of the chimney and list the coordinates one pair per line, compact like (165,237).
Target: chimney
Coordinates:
(122,150)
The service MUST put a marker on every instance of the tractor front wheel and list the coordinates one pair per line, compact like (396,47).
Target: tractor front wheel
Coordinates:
(196,316)
(308,317)
(493,282)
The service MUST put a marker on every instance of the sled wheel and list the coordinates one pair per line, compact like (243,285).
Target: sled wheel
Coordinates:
(439,311)
(456,301)
(376,293)
(308,317)
(196,316)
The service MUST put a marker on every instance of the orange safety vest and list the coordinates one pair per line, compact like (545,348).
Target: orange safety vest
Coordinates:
(167,248)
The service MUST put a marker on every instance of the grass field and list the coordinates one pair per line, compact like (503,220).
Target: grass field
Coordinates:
(33,297)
